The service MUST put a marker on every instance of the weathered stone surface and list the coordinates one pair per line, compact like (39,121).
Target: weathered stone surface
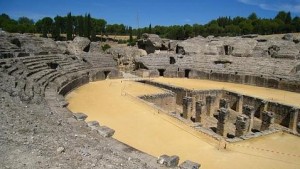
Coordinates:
(105,131)
(150,43)
(222,125)
(79,45)
(288,37)
(93,124)
(189,165)
(224,103)
(80,116)
(63,47)
(191,46)
(242,125)
(267,120)
(125,56)
(95,47)
(60,150)
(168,161)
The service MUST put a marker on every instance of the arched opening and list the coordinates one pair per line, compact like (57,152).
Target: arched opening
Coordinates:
(187,73)
(161,72)
(53,65)
(172,60)
(228,49)
(106,74)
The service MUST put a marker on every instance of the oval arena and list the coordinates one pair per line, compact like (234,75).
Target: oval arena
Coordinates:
(218,105)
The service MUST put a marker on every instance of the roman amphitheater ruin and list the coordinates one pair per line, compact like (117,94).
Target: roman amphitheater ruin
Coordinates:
(215,102)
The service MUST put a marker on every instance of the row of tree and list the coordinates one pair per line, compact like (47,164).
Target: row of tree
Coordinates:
(226,26)
(87,26)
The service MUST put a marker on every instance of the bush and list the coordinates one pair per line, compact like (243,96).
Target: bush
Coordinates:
(133,43)
(122,41)
(105,47)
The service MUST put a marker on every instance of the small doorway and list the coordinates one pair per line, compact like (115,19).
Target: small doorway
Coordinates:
(187,73)
(172,60)
(106,74)
(161,72)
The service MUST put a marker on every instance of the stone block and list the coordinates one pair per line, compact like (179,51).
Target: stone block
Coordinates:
(93,124)
(224,103)
(267,120)
(80,116)
(189,165)
(105,131)
(242,125)
(168,161)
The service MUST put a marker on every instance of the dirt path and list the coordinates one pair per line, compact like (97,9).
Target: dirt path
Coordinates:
(142,127)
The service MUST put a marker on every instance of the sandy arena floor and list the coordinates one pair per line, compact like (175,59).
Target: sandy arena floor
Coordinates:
(141,126)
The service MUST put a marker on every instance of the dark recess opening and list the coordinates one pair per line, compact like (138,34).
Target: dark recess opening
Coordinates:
(172,60)
(16,42)
(53,65)
(227,50)
(140,65)
(106,73)
(187,73)
(161,72)
(222,62)
(84,60)
(87,48)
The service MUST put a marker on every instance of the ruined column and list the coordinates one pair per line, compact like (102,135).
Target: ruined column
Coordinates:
(222,125)
(267,120)
(199,111)
(249,111)
(210,105)
(239,104)
(242,125)
(263,107)
(293,119)
(187,107)
(224,103)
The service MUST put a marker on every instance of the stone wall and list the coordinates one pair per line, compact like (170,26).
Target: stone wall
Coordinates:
(166,101)
(236,101)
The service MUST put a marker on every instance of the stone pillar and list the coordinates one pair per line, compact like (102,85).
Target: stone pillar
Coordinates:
(199,111)
(263,108)
(224,103)
(239,104)
(222,125)
(249,111)
(242,125)
(210,105)
(267,120)
(187,107)
(293,119)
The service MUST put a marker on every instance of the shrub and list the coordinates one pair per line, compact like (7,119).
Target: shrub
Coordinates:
(105,47)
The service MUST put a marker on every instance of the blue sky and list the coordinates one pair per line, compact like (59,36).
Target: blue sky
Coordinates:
(156,12)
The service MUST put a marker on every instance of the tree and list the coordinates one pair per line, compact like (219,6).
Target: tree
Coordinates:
(253,16)
(131,41)
(80,28)
(232,30)
(246,27)
(87,26)
(46,25)
(25,25)
(69,26)
(60,23)
(150,29)
(55,31)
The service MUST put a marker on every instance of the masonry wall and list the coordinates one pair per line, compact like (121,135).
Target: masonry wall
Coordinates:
(261,80)
(282,112)
(166,101)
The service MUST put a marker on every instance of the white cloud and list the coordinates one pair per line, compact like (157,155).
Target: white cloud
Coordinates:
(275,5)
